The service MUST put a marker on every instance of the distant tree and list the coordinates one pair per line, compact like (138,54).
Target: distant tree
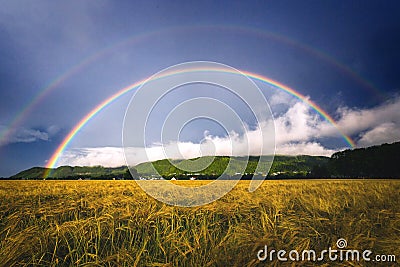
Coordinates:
(320,171)
(130,174)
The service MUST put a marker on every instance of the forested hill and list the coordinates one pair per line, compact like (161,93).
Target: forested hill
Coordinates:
(295,166)
(68,172)
(381,161)
(377,161)
(372,162)
(289,165)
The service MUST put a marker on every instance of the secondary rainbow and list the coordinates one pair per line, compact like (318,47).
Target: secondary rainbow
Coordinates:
(28,108)
(63,145)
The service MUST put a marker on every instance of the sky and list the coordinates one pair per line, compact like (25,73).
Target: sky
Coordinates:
(60,59)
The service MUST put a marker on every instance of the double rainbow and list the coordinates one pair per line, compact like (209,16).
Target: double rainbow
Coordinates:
(268,36)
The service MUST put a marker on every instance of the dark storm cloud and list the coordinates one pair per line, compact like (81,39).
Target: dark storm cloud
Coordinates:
(385,55)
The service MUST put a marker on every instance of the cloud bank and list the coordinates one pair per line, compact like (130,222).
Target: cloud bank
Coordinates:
(298,131)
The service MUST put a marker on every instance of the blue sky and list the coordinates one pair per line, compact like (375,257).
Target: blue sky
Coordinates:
(342,55)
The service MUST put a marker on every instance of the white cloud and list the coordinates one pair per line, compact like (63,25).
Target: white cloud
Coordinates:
(304,148)
(24,135)
(281,98)
(105,156)
(353,121)
(372,126)
(368,126)
(299,123)
(384,133)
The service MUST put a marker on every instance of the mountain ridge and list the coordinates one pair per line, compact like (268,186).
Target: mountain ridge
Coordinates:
(373,162)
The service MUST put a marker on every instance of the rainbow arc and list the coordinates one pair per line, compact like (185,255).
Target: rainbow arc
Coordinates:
(75,130)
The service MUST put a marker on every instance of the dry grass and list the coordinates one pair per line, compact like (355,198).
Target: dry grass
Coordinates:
(114,223)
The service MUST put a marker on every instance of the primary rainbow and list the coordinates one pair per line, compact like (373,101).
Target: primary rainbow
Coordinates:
(57,153)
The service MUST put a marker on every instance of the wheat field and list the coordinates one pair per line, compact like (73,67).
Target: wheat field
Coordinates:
(114,223)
